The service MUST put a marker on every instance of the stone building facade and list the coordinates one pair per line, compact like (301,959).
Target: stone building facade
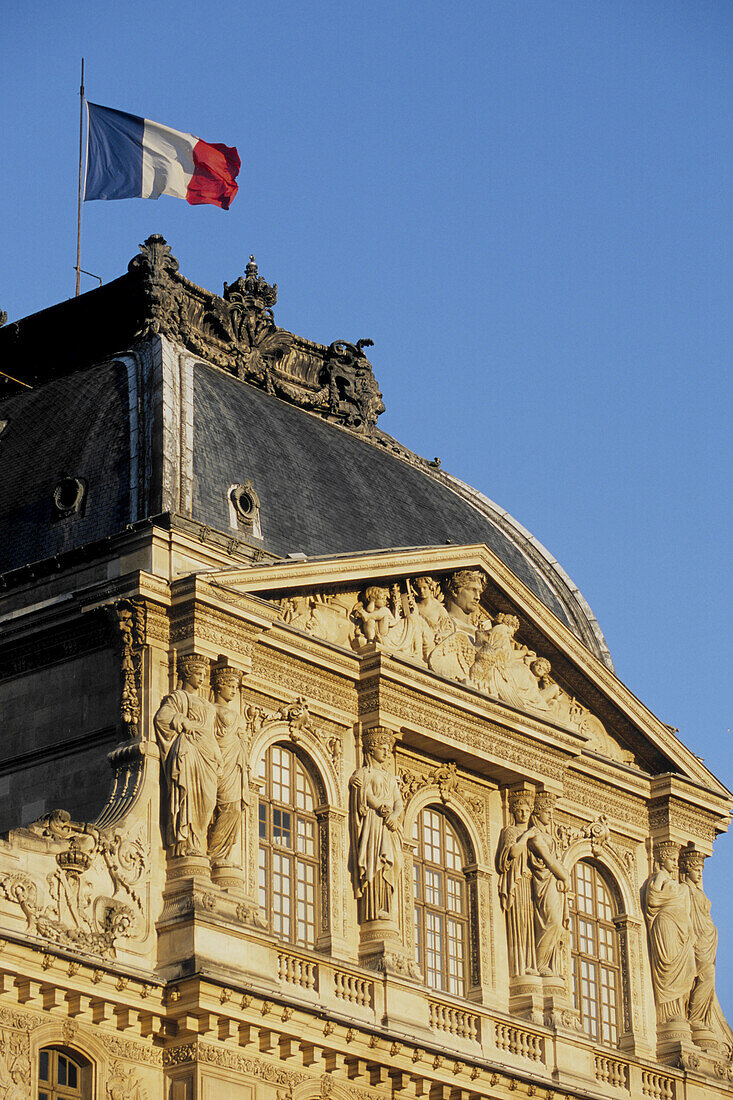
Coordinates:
(382,819)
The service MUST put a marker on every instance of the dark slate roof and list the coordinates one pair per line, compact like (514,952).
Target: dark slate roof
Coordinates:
(322,490)
(75,426)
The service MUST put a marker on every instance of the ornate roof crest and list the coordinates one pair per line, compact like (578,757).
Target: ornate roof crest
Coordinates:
(237,331)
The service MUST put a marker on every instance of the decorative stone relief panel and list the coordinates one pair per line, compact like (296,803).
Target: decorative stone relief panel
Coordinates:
(85,887)
(15,1065)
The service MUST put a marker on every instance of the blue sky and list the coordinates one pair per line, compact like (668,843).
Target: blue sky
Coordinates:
(525,205)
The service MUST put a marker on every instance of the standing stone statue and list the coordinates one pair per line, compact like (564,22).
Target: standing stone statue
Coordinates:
(666,904)
(191,759)
(705,945)
(550,883)
(375,820)
(229,730)
(515,886)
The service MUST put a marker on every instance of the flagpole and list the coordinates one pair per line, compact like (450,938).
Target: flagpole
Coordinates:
(78,211)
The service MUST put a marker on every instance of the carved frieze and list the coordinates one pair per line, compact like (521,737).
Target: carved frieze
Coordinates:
(283,670)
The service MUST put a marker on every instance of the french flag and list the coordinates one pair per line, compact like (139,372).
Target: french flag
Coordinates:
(130,157)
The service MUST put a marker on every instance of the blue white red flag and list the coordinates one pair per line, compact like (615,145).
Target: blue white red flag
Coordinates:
(130,157)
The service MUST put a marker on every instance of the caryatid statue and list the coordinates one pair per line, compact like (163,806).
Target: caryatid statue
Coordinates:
(704,945)
(229,729)
(667,908)
(550,885)
(515,886)
(375,820)
(191,758)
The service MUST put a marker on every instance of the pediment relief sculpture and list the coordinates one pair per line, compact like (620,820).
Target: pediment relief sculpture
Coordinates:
(84,886)
(441,624)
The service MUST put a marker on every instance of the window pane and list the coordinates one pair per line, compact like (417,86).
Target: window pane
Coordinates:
(288,886)
(281,828)
(61,1070)
(594,945)
(306,836)
(441,928)
(43,1066)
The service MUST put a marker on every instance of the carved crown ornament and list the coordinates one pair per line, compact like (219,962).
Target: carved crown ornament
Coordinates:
(237,331)
(85,887)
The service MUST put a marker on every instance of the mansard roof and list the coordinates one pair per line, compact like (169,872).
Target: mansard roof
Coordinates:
(297,419)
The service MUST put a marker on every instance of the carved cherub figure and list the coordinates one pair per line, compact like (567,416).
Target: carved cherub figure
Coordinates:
(376,617)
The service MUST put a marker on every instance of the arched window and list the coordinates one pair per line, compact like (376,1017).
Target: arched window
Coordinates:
(596,967)
(61,1076)
(288,847)
(441,904)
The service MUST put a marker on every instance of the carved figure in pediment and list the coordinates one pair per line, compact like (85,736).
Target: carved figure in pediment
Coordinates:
(375,820)
(297,611)
(428,598)
(454,652)
(515,886)
(569,712)
(463,592)
(562,707)
(397,629)
(230,732)
(191,758)
(705,946)
(502,666)
(667,906)
(376,617)
(550,884)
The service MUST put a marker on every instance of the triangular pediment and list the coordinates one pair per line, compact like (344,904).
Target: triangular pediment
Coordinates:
(461,614)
